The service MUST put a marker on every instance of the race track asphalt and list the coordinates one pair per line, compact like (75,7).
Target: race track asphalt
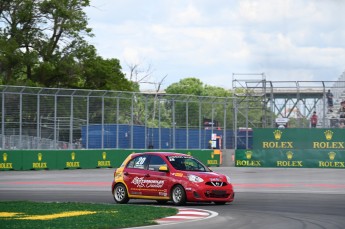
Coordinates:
(265,197)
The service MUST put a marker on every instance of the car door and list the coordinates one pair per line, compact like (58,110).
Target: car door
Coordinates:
(158,182)
(135,176)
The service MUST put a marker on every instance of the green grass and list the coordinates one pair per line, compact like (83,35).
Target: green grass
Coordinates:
(98,215)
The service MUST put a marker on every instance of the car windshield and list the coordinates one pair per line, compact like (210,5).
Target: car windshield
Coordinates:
(186,163)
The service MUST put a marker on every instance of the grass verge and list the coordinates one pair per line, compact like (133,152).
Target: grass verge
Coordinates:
(26,214)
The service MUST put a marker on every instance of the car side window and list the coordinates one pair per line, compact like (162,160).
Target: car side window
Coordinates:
(137,163)
(156,162)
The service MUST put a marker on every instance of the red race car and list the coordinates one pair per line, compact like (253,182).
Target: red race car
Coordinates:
(166,176)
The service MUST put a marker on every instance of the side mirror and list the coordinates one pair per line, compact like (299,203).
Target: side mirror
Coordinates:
(163,168)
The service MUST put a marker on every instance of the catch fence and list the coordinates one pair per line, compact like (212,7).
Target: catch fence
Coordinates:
(56,118)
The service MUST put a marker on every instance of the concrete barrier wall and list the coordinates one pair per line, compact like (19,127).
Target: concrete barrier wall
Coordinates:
(84,159)
(298,148)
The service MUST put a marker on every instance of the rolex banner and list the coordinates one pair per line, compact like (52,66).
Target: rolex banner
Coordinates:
(299,138)
(84,159)
(295,148)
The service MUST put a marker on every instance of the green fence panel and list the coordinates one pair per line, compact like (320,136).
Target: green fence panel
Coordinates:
(305,158)
(295,148)
(75,159)
(84,159)
(111,158)
(249,158)
(39,159)
(298,138)
(11,160)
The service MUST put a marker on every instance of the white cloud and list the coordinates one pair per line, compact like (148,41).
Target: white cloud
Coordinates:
(290,39)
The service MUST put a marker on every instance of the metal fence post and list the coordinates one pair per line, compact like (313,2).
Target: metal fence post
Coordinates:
(3,120)
(173,123)
(187,129)
(117,120)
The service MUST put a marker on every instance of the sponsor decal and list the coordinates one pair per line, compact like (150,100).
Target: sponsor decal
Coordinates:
(136,193)
(162,194)
(118,175)
(332,163)
(73,163)
(141,182)
(39,164)
(249,162)
(104,162)
(277,145)
(215,179)
(212,162)
(248,154)
(289,162)
(5,164)
(172,158)
(277,134)
(328,135)
(328,144)
(332,155)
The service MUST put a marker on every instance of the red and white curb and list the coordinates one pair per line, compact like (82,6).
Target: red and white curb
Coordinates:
(187,214)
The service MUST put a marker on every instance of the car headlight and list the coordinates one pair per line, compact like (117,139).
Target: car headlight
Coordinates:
(194,178)
(228,179)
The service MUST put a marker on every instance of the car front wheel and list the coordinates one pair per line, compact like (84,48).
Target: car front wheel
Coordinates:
(120,194)
(178,195)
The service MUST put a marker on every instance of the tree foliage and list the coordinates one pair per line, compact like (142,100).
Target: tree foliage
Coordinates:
(42,44)
(188,86)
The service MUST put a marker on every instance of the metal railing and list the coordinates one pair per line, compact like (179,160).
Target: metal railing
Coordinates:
(56,118)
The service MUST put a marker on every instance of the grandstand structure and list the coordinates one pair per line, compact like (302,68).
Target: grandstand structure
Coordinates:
(295,100)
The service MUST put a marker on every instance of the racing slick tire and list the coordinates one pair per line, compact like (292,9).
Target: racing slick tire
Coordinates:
(178,195)
(120,194)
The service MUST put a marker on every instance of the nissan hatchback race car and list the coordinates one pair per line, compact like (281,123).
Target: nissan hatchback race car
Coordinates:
(165,176)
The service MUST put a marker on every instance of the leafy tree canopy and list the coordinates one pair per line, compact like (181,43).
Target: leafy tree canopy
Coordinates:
(42,44)
(194,86)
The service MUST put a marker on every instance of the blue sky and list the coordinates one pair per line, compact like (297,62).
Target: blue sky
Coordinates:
(216,40)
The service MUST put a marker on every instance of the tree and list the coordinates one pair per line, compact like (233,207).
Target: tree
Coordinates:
(188,86)
(105,74)
(42,44)
(16,39)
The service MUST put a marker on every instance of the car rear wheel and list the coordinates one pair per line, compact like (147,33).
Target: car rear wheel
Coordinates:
(178,195)
(120,194)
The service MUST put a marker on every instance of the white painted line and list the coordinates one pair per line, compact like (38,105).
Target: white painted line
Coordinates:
(183,217)
(194,213)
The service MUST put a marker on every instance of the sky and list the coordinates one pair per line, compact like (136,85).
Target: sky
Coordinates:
(217,41)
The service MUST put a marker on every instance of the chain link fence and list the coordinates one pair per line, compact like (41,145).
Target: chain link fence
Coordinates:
(52,118)
(56,118)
